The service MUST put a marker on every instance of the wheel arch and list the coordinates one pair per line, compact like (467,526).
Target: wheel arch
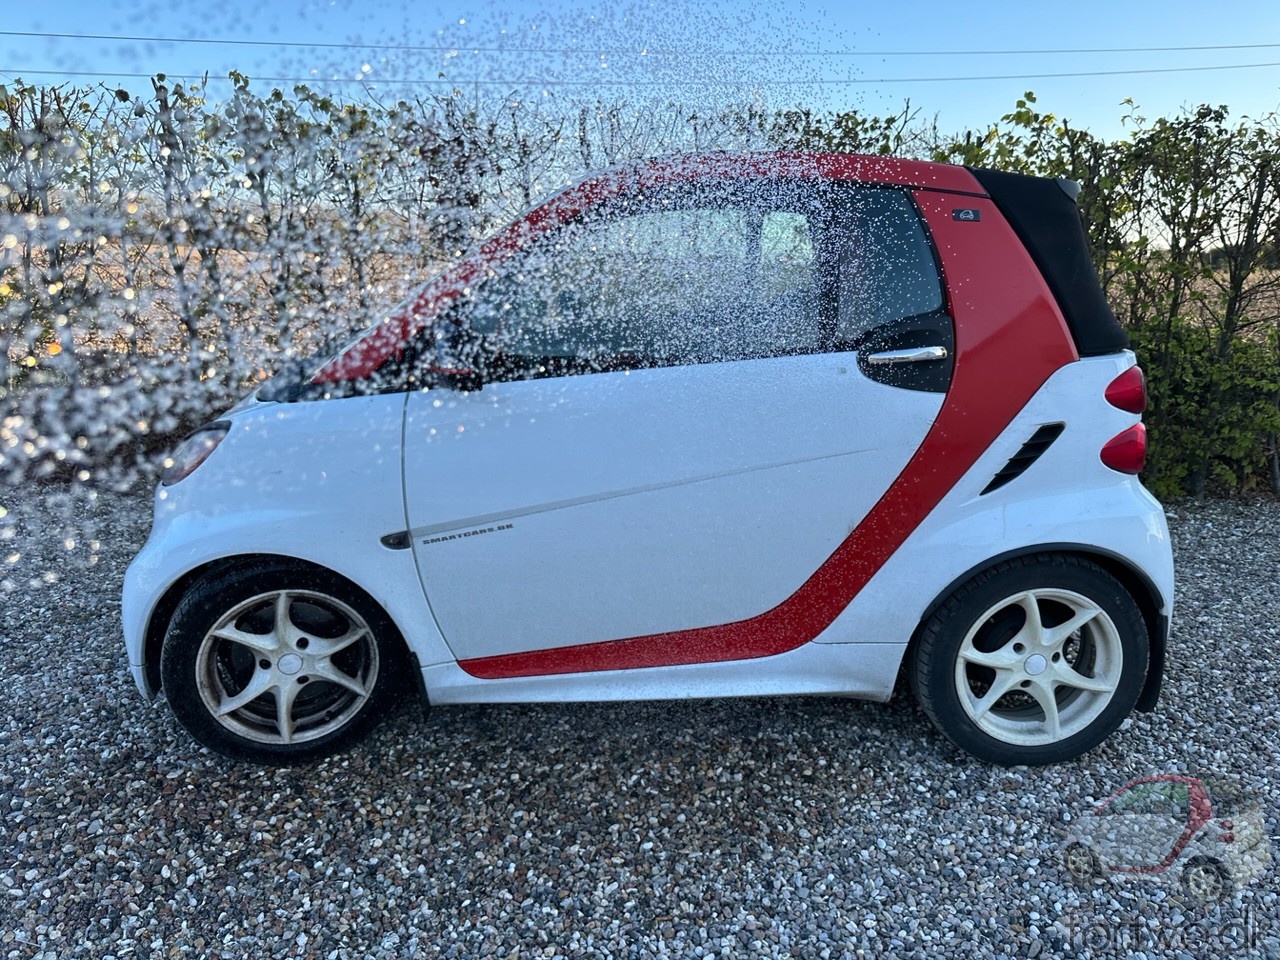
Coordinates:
(1205,860)
(163,610)
(1140,586)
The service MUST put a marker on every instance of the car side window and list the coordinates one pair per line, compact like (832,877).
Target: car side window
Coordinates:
(689,283)
(787,267)
(1156,798)
(1142,798)
(728,272)
(887,268)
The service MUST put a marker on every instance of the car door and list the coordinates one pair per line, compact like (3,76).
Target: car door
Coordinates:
(676,427)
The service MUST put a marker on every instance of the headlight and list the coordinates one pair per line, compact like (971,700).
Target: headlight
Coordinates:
(193,451)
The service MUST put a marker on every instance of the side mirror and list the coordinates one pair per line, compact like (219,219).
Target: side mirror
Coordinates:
(458,359)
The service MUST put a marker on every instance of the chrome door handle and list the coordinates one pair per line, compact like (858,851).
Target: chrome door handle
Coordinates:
(909,355)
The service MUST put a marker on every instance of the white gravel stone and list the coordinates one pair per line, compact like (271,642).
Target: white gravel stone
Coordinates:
(776,827)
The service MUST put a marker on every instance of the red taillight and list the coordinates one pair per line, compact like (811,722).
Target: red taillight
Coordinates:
(1127,450)
(1128,391)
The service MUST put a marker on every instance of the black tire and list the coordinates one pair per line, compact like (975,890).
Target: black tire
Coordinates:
(1081,862)
(1118,642)
(1205,880)
(368,673)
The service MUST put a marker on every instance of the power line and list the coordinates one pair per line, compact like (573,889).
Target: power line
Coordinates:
(471,82)
(594,51)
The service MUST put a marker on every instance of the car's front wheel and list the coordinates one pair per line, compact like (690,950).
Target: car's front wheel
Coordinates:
(1081,862)
(1037,660)
(279,664)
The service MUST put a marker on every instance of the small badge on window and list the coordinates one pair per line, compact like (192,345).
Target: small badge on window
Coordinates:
(967,213)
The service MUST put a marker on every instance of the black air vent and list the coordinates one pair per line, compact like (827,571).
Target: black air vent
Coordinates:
(1027,454)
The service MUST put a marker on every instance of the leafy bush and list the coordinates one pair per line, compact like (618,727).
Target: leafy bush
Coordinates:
(160,254)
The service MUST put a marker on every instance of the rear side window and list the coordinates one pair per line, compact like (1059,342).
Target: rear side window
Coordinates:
(886,265)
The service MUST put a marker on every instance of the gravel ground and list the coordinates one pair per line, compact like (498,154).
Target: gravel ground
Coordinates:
(814,827)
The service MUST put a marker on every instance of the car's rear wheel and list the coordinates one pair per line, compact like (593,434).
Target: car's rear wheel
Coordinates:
(1205,880)
(1034,661)
(279,664)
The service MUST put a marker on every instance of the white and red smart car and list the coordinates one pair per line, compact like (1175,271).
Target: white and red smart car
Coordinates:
(1207,834)
(705,426)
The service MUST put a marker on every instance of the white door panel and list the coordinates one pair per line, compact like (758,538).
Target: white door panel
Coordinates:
(672,558)
(627,504)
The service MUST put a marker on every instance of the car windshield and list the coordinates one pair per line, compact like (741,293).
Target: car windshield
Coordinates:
(294,377)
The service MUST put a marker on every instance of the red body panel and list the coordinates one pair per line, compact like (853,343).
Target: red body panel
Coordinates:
(993,289)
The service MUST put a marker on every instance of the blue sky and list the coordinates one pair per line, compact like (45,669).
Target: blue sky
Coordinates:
(842,56)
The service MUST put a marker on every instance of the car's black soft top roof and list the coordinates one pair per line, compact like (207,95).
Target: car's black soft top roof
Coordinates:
(1046,219)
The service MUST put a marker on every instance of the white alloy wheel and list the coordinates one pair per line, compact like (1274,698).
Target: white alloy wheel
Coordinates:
(1035,660)
(1039,666)
(287,666)
(275,662)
